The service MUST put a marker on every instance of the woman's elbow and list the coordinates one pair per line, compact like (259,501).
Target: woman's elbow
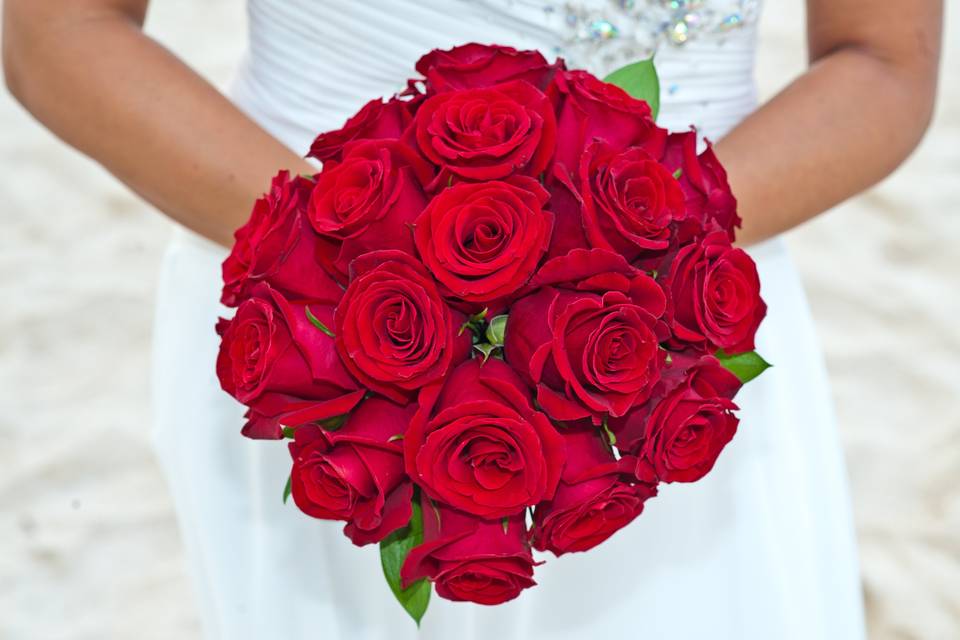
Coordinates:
(28,27)
(926,109)
(16,27)
(914,112)
(40,37)
(907,91)
(915,75)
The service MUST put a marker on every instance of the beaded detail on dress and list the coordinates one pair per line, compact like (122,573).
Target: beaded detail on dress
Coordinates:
(611,33)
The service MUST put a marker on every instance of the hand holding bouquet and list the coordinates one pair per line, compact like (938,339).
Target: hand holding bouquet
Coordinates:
(506,308)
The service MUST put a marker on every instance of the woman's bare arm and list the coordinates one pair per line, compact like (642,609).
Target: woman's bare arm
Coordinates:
(851,119)
(85,69)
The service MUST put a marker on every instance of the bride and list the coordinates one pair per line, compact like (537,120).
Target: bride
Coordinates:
(761,548)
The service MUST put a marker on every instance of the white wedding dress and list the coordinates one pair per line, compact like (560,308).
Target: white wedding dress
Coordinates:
(762,548)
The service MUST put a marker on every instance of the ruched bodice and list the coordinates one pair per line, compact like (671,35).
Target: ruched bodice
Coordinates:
(312,63)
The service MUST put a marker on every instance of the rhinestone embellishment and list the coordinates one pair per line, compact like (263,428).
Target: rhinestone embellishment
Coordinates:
(621,31)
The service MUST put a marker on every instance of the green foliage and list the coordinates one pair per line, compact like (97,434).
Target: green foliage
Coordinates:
(640,80)
(316,322)
(393,552)
(496,330)
(746,366)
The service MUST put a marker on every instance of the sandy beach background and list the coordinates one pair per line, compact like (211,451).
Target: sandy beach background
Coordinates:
(88,542)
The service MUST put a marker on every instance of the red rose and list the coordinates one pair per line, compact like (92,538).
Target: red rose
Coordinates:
(710,204)
(483,241)
(277,246)
(394,331)
(367,202)
(287,370)
(469,559)
(476,65)
(682,434)
(375,121)
(711,379)
(597,496)
(355,473)
(567,209)
(714,292)
(488,133)
(702,373)
(629,200)
(590,109)
(476,443)
(272,411)
(588,339)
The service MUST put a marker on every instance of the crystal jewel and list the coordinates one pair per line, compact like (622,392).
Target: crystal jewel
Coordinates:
(616,32)
(602,30)
(678,32)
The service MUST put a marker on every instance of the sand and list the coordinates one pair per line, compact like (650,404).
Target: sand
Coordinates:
(88,541)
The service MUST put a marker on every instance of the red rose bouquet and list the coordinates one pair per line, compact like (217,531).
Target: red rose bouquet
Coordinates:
(506,308)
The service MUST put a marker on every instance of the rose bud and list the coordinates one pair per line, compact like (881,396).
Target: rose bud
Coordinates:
(475,65)
(588,339)
(681,434)
(377,120)
(477,444)
(483,241)
(278,247)
(356,472)
(367,201)
(597,496)
(394,331)
(487,134)
(487,562)
(709,202)
(589,109)
(714,294)
(273,359)
(629,200)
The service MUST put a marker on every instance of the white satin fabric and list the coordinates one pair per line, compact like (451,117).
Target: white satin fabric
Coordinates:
(762,548)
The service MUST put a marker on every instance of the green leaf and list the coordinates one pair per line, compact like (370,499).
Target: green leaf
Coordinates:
(316,322)
(486,349)
(505,523)
(496,330)
(745,366)
(333,423)
(611,437)
(678,173)
(479,316)
(328,424)
(474,322)
(287,489)
(640,81)
(393,551)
